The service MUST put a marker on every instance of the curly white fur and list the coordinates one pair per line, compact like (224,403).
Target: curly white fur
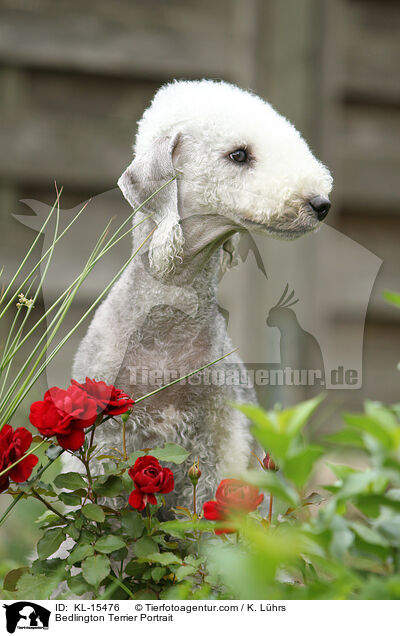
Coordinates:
(162,314)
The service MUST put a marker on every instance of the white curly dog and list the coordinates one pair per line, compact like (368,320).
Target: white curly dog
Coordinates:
(236,165)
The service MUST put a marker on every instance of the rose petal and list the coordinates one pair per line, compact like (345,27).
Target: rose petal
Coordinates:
(136,500)
(73,441)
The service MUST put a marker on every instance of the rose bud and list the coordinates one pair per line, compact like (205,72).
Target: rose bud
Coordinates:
(269,463)
(194,473)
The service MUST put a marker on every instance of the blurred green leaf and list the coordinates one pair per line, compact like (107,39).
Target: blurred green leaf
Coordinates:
(11,579)
(378,427)
(392,298)
(347,436)
(299,466)
(369,535)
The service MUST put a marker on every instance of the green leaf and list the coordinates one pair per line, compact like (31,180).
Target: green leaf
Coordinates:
(144,546)
(373,427)
(48,566)
(157,573)
(79,553)
(190,559)
(132,523)
(95,569)
(11,579)
(183,571)
(70,499)
(73,531)
(346,436)
(78,585)
(368,534)
(134,456)
(171,453)
(165,558)
(36,586)
(111,487)
(46,517)
(342,537)
(50,542)
(135,569)
(297,417)
(299,466)
(94,512)
(180,528)
(70,481)
(341,471)
(109,543)
(357,483)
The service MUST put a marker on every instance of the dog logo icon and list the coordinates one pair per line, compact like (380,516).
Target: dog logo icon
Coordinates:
(26,615)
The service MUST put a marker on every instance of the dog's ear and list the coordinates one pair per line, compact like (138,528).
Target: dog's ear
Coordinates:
(142,178)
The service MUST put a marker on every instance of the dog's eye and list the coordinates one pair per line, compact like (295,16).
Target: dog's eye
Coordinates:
(239,155)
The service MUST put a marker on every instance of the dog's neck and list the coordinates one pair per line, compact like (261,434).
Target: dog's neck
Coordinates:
(204,236)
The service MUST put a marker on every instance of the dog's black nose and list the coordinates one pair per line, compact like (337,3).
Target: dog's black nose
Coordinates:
(321,206)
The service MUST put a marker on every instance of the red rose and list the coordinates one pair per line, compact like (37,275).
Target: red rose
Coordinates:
(109,400)
(149,477)
(64,414)
(13,445)
(232,495)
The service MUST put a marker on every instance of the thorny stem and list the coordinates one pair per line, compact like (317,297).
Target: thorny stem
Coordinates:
(49,506)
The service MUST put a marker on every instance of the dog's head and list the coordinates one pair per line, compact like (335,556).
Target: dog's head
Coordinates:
(231,157)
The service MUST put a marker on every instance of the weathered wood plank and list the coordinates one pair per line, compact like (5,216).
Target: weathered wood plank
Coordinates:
(366,157)
(72,128)
(125,37)
(372,58)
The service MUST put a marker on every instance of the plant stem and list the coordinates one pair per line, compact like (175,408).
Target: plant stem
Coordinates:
(121,585)
(194,500)
(183,377)
(124,439)
(10,507)
(271,499)
(49,506)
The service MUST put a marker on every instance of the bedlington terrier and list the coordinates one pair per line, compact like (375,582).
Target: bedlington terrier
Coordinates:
(233,165)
